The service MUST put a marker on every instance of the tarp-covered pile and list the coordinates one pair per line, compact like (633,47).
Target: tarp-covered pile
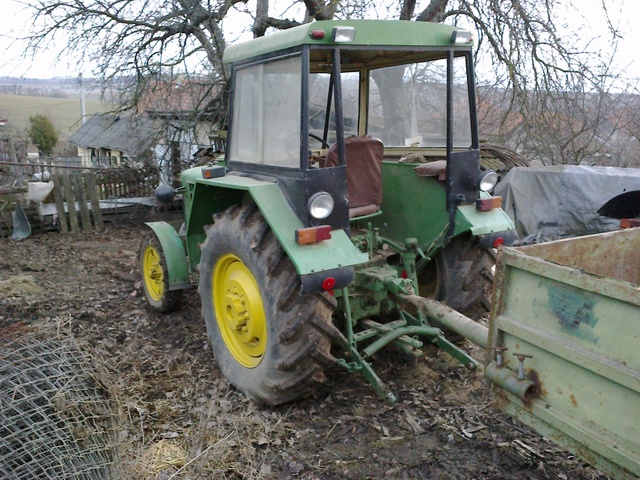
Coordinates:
(547,203)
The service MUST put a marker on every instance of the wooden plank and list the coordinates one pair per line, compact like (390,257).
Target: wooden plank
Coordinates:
(78,181)
(71,203)
(6,224)
(92,191)
(62,214)
(108,188)
(99,182)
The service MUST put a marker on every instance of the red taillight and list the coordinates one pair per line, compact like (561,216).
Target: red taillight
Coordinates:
(497,242)
(629,223)
(213,172)
(317,34)
(305,236)
(328,283)
(403,274)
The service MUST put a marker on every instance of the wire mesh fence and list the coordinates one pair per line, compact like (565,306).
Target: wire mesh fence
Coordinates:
(56,416)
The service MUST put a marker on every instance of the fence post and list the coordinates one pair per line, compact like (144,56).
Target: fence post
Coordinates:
(90,181)
(62,214)
(78,181)
(71,203)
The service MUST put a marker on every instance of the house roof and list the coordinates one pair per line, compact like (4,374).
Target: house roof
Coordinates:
(131,135)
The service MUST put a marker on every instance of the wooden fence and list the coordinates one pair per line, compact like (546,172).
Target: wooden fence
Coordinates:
(77,190)
(81,195)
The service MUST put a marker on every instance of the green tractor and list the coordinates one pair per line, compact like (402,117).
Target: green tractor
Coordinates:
(350,198)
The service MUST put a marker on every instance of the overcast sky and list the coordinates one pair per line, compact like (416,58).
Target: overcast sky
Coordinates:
(624,14)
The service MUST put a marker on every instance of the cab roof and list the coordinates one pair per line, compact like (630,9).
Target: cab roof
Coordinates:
(387,34)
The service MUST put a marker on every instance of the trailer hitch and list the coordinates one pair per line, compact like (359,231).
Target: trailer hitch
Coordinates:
(409,333)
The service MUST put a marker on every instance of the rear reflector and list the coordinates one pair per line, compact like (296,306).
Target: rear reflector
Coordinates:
(486,204)
(305,236)
(328,284)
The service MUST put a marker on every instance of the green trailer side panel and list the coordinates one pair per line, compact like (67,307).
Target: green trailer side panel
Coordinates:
(174,253)
(571,306)
(334,253)
(402,34)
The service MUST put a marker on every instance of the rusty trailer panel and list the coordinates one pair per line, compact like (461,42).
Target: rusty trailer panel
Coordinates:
(564,345)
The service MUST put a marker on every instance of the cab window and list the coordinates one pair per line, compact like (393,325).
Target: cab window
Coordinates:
(266,113)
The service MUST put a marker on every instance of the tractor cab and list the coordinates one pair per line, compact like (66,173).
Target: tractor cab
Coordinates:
(320,107)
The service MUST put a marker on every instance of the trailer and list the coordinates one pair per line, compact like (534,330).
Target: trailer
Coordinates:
(563,345)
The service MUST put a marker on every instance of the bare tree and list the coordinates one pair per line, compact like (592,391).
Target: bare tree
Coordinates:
(525,53)
(136,43)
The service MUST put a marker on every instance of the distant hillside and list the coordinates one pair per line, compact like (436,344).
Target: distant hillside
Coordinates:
(63,112)
(50,87)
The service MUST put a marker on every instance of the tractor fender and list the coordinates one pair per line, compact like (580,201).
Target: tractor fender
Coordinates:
(174,254)
(333,258)
(483,223)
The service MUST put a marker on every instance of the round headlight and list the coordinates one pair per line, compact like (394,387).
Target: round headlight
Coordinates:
(488,180)
(320,205)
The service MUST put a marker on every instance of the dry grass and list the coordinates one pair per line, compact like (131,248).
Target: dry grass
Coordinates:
(179,421)
(20,286)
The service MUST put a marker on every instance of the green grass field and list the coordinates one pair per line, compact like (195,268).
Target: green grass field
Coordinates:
(63,112)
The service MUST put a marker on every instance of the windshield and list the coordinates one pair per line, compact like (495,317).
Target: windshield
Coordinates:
(266,113)
(408,105)
(318,97)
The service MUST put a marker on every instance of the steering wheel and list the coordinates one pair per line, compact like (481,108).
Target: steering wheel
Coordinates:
(322,142)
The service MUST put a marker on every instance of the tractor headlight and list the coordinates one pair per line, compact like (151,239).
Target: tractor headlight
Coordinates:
(461,36)
(320,205)
(488,180)
(343,34)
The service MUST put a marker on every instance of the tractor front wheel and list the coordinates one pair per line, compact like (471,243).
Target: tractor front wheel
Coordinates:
(269,341)
(155,279)
(461,276)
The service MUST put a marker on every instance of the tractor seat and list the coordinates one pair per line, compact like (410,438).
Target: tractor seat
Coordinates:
(364,173)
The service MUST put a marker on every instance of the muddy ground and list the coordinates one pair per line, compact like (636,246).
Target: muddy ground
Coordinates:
(178,418)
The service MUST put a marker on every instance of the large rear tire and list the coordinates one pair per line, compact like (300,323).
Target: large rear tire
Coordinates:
(269,341)
(155,277)
(461,276)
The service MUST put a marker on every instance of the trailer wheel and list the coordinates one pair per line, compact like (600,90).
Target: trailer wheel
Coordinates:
(155,279)
(269,341)
(460,275)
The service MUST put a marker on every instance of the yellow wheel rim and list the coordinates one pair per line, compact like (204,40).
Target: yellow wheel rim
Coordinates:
(152,273)
(239,310)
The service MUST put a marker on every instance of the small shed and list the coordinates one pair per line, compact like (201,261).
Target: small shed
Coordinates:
(109,139)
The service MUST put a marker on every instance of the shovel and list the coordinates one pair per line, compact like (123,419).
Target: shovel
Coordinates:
(21,227)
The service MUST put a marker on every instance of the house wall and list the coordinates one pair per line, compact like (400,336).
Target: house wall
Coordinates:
(94,157)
